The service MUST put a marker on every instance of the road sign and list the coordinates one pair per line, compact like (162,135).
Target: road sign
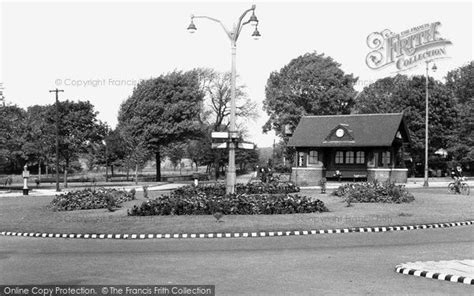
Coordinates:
(219,146)
(244,145)
(234,135)
(225,135)
(220,135)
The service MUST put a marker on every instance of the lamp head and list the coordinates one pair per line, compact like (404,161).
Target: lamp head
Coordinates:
(253,19)
(256,34)
(191,28)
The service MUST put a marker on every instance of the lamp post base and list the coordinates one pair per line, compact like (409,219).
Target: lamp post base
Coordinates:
(425,184)
(25,191)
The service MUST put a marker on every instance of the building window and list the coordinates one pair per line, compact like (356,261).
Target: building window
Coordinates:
(350,157)
(339,157)
(313,157)
(360,157)
(385,158)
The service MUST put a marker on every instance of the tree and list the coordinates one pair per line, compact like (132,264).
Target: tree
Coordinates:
(199,151)
(78,129)
(136,153)
(311,84)
(404,94)
(12,138)
(39,137)
(175,153)
(217,89)
(461,82)
(162,111)
(216,112)
(245,158)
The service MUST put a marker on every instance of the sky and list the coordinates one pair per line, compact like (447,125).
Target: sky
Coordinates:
(98,51)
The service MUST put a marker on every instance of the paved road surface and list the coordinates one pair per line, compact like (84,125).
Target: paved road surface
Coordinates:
(343,264)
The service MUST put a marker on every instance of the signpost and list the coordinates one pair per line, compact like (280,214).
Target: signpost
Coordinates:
(229,140)
(246,145)
(225,139)
(219,145)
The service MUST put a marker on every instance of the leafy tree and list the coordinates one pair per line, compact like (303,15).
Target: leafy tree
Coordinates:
(311,84)
(404,94)
(461,146)
(175,152)
(162,111)
(116,151)
(461,82)
(199,150)
(40,136)
(111,151)
(78,129)
(245,158)
(135,149)
(12,139)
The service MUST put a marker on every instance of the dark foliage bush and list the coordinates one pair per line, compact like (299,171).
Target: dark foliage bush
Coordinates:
(282,169)
(239,204)
(87,199)
(386,192)
(252,188)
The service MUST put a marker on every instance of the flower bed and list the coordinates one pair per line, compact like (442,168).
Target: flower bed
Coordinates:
(87,199)
(240,204)
(374,192)
(252,188)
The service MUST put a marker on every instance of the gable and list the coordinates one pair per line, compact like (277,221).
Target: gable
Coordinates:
(340,133)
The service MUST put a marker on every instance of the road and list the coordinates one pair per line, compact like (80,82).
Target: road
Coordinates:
(332,264)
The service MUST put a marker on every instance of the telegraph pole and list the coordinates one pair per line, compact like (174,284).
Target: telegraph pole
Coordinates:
(57,136)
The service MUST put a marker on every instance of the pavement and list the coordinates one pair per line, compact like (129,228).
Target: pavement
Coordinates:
(411,183)
(459,271)
(162,187)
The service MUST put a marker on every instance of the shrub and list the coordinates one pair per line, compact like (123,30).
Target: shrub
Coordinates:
(386,192)
(87,199)
(236,204)
(282,169)
(251,188)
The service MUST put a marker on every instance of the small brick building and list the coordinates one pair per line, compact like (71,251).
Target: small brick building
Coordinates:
(358,146)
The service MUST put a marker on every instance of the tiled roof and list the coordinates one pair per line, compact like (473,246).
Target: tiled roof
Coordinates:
(359,130)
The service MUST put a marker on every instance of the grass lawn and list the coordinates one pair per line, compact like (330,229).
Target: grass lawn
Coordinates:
(31,214)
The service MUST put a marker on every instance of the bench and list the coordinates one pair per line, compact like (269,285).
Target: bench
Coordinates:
(347,175)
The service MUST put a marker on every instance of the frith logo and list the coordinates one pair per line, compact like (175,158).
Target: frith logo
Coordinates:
(406,49)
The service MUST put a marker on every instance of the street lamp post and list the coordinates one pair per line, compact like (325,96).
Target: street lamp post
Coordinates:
(233,36)
(425,183)
(57,136)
